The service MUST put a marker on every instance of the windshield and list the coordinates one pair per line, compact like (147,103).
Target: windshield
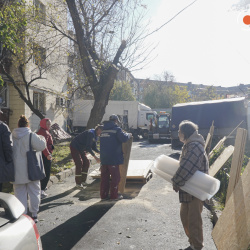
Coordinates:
(163,121)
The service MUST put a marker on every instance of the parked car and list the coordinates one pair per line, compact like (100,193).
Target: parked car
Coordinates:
(17,230)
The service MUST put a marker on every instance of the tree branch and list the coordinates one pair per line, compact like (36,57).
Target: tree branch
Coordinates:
(28,102)
(63,33)
(88,69)
(119,52)
(105,14)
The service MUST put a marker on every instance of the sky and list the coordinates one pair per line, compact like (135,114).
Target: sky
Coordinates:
(208,43)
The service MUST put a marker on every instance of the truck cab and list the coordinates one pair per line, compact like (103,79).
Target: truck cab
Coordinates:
(159,129)
(144,123)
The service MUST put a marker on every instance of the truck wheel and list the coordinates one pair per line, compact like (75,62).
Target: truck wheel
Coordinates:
(144,134)
(135,136)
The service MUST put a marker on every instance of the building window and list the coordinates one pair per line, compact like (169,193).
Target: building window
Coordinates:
(62,102)
(39,101)
(40,12)
(68,103)
(58,101)
(39,55)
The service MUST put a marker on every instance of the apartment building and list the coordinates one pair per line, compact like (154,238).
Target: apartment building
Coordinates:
(46,69)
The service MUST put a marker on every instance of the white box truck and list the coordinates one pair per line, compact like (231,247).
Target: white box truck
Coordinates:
(135,117)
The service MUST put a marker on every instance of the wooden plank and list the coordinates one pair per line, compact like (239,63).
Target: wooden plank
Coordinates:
(217,146)
(209,140)
(221,160)
(232,230)
(140,180)
(237,160)
(137,169)
(95,174)
(126,148)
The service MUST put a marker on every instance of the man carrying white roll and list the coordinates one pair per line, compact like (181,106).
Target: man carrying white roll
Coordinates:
(193,158)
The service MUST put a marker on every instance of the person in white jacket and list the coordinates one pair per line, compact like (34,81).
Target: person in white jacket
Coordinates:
(25,189)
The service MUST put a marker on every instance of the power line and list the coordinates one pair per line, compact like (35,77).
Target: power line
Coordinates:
(168,20)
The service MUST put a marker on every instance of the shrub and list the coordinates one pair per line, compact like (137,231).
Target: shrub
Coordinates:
(224,174)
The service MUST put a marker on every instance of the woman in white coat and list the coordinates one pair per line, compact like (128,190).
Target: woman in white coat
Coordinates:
(25,189)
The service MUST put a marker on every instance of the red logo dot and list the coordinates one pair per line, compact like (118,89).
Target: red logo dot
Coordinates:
(246,20)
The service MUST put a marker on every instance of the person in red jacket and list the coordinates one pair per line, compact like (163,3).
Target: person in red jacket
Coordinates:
(47,153)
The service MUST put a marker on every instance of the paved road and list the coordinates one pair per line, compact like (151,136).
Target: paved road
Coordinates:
(148,217)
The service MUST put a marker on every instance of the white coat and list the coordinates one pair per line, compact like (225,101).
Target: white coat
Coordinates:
(20,138)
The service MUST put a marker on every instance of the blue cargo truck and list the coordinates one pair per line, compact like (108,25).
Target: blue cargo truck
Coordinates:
(226,114)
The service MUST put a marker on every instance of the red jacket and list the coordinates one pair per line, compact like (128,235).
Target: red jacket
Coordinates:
(45,132)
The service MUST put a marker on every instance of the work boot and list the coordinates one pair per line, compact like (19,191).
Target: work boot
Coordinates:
(79,186)
(120,197)
(84,183)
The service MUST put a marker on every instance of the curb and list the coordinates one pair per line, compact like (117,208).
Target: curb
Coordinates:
(68,172)
(211,205)
(61,176)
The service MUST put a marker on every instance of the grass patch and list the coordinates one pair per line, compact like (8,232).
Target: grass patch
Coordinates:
(62,158)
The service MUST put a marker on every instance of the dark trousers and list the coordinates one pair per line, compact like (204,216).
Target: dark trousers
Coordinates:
(47,168)
(82,165)
(1,187)
(106,172)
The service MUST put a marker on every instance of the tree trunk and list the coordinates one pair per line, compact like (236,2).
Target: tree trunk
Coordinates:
(101,95)
(97,112)
(102,88)
(86,64)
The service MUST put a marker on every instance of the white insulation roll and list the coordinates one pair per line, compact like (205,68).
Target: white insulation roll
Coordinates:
(200,185)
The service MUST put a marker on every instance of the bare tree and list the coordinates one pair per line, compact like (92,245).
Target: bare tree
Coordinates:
(107,34)
(168,76)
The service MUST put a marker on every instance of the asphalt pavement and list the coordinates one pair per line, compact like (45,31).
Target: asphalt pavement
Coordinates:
(149,221)
(147,218)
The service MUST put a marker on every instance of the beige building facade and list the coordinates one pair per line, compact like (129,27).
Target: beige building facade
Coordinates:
(48,93)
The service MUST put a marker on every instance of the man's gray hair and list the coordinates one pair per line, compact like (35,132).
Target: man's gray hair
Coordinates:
(187,128)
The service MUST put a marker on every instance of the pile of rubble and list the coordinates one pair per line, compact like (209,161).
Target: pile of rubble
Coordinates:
(59,134)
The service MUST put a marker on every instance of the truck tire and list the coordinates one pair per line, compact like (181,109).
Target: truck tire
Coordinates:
(144,134)
(135,136)
(150,140)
